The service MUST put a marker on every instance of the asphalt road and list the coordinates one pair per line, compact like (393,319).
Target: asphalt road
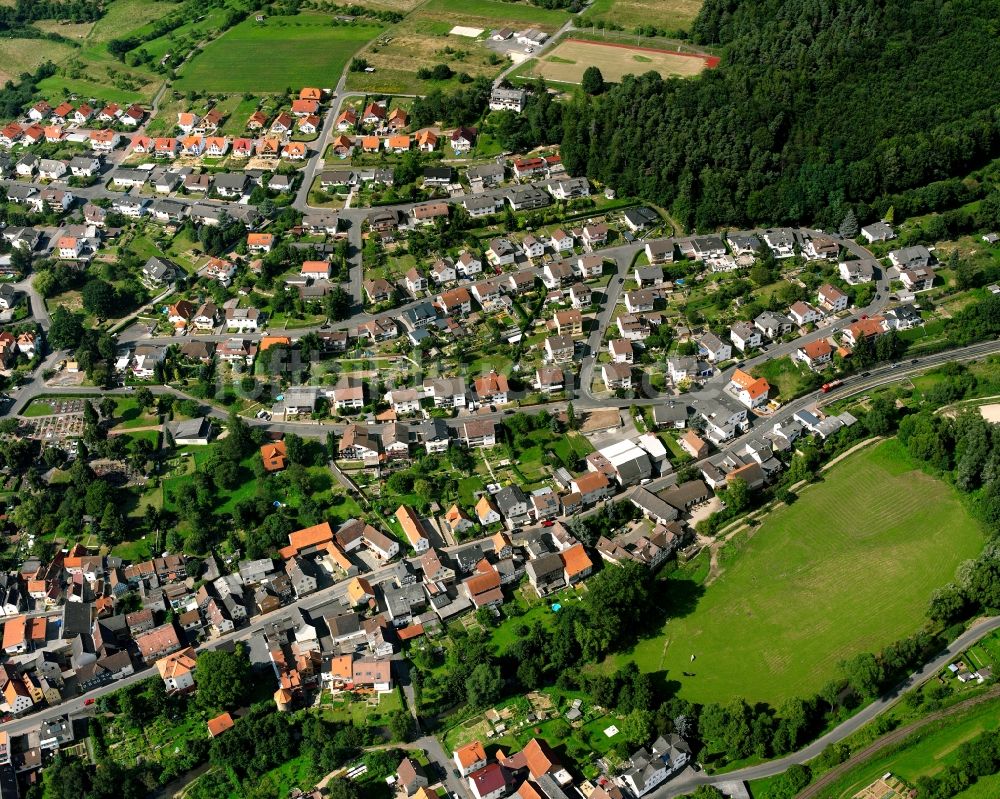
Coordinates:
(689,779)
(583,400)
(324,600)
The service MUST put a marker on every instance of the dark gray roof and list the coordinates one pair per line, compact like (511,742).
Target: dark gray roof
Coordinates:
(231,180)
(76,619)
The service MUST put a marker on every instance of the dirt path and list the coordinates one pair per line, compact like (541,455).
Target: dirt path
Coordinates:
(121,431)
(893,737)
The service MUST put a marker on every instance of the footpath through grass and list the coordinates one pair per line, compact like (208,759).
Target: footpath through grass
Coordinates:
(847,568)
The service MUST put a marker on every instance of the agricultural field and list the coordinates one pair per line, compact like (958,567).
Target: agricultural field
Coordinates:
(233,63)
(422,39)
(848,568)
(566,62)
(670,15)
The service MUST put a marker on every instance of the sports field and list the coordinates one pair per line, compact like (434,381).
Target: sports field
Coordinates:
(847,568)
(281,52)
(566,62)
(670,15)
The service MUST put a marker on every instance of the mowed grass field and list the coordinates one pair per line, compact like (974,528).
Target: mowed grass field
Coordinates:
(671,15)
(304,50)
(848,568)
(566,62)
(925,753)
(421,39)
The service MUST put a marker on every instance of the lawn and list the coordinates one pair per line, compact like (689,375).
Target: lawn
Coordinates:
(925,753)
(233,62)
(848,568)
(129,415)
(38,408)
(789,379)
(347,707)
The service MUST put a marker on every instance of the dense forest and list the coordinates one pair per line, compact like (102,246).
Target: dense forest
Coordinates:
(817,107)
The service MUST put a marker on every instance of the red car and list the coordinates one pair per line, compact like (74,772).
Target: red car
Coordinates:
(548,523)
(89,701)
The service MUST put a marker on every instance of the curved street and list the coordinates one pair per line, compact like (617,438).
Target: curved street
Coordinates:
(622,256)
(688,780)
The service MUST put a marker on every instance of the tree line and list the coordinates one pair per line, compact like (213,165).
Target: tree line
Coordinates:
(14,19)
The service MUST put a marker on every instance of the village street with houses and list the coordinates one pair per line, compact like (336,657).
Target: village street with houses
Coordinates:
(469,412)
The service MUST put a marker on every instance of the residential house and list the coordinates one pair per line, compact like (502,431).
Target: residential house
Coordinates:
(781,242)
(549,379)
(158,643)
(723,418)
(660,251)
(502,99)
(819,247)
(815,354)
(878,231)
(546,573)
(919,278)
(580,296)
(243,320)
(714,348)
(831,299)
(773,325)
(457,301)
(429,213)
(595,235)
(802,313)
(177,669)
(617,376)
(592,487)
(480,205)
(863,328)
(857,272)
(492,389)
(745,336)
(694,445)
(915,257)
(751,391)
(469,758)
(501,252)
(412,528)
(569,188)
(621,351)
(478,434)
